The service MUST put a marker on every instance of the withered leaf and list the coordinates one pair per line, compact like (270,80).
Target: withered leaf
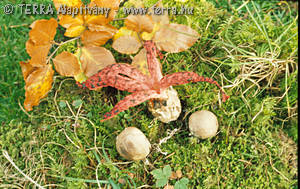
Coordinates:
(66,64)
(159,19)
(27,69)
(175,38)
(38,84)
(43,31)
(95,38)
(126,44)
(94,59)
(140,62)
(139,23)
(38,53)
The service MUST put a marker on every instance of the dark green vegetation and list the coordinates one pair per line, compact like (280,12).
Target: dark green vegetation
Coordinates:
(250,48)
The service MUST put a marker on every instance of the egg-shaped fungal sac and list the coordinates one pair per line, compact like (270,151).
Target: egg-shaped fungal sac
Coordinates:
(203,124)
(132,144)
(168,109)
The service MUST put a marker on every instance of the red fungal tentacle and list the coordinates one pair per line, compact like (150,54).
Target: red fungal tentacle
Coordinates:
(131,100)
(180,78)
(153,64)
(121,76)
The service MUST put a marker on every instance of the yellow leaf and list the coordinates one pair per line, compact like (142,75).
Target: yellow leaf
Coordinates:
(38,84)
(74,31)
(149,36)
(75,26)
(140,62)
(126,44)
(125,31)
(175,38)
(66,64)
(81,77)
(94,59)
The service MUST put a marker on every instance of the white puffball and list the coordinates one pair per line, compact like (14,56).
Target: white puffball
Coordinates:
(132,144)
(203,124)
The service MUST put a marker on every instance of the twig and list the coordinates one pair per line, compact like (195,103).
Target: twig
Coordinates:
(59,45)
(5,154)
(164,140)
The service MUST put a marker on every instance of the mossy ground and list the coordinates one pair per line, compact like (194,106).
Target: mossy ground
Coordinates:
(65,145)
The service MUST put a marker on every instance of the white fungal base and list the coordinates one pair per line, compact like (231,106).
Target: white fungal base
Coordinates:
(168,109)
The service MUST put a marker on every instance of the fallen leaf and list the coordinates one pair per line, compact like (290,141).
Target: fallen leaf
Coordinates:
(106,28)
(126,44)
(173,175)
(123,31)
(38,53)
(94,59)
(169,187)
(178,173)
(159,19)
(139,23)
(95,38)
(27,69)
(43,31)
(140,62)
(175,38)
(75,26)
(66,64)
(112,4)
(38,84)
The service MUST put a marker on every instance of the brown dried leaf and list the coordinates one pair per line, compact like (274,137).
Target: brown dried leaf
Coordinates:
(140,62)
(178,174)
(126,44)
(94,59)
(43,31)
(27,69)
(169,187)
(38,84)
(139,23)
(66,64)
(175,38)
(38,53)
(95,38)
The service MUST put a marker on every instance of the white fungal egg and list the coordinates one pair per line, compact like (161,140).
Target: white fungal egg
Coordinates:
(132,144)
(166,110)
(203,124)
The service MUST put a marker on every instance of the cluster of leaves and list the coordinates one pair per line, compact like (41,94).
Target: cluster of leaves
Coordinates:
(92,30)
(163,175)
